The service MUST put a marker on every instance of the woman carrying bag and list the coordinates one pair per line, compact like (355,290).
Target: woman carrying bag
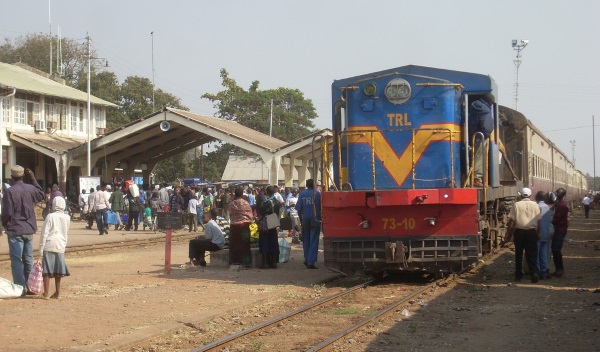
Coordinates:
(53,243)
(267,239)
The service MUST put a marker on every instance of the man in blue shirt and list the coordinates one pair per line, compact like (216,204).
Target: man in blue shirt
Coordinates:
(18,219)
(309,210)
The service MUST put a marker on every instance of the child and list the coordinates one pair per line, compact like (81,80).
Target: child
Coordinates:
(53,242)
(147,216)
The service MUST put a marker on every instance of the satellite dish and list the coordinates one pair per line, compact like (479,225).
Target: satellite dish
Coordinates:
(165,126)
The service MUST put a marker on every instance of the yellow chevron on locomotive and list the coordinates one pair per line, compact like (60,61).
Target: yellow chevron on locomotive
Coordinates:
(399,165)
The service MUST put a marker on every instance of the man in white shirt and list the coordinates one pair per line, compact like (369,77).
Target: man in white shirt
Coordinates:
(587,200)
(192,219)
(213,241)
(279,198)
(291,200)
(84,203)
(101,205)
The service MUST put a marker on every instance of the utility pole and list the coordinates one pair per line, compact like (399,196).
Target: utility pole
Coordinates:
(518,46)
(594,152)
(89,106)
(271,120)
(573,150)
(152,34)
(50,25)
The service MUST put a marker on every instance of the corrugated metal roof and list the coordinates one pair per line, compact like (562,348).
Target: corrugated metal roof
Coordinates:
(242,168)
(234,129)
(51,142)
(24,80)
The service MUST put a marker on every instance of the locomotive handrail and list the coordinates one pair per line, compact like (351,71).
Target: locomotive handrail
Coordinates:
(429,84)
(413,161)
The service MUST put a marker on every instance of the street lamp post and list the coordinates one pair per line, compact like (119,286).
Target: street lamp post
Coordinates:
(518,46)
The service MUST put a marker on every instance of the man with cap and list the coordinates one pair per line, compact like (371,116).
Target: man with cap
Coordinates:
(18,219)
(524,216)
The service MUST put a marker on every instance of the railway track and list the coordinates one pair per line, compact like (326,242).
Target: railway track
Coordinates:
(283,319)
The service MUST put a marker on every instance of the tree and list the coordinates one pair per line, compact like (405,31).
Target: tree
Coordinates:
(105,85)
(292,116)
(34,50)
(292,113)
(136,98)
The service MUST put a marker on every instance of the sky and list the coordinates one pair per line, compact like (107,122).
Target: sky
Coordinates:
(307,44)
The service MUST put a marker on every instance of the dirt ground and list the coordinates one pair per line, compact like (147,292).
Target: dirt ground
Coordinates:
(487,311)
(115,299)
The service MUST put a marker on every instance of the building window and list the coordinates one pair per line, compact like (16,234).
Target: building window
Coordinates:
(20,112)
(74,117)
(33,113)
(61,111)
(81,119)
(97,118)
(6,110)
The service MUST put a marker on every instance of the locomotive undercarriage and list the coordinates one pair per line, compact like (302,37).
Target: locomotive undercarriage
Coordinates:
(431,254)
(493,220)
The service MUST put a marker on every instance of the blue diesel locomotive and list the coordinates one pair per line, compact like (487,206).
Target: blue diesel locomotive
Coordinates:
(405,195)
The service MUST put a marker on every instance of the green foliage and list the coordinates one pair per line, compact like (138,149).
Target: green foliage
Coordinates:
(292,113)
(34,50)
(593,182)
(215,161)
(169,170)
(292,116)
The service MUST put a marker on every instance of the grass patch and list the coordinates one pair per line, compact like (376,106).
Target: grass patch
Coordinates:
(256,345)
(345,311)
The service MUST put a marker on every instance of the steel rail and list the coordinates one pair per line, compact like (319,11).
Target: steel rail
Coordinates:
(368,319)
(264,324)
(382,312)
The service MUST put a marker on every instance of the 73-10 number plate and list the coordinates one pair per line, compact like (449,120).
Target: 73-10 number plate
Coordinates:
(398,223)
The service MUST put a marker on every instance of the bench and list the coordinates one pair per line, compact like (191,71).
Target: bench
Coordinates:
(221,258)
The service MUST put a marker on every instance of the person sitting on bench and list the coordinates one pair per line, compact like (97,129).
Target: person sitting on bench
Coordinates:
(213,241)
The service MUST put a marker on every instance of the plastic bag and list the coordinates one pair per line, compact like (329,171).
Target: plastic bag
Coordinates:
(9,290)
(284,251)
(35,281)
(112,218)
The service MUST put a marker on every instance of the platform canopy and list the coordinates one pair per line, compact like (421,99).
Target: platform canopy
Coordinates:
(141,144)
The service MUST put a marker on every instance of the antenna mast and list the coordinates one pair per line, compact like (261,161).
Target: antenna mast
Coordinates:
(518,46)
(50,25)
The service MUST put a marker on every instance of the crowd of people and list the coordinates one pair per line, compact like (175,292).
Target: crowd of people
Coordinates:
(239,208)
(212,210)
(540,228)
(244,208)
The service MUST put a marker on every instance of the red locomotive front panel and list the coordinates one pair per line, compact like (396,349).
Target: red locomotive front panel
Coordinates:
(422,229)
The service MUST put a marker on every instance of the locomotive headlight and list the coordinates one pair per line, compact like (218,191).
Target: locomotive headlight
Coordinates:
(370,90)
(397,91)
